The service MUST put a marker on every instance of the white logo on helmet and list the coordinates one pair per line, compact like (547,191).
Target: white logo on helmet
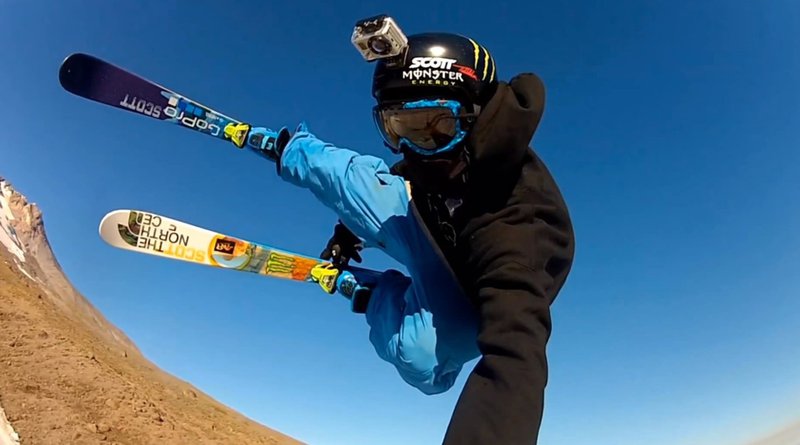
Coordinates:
(432,62)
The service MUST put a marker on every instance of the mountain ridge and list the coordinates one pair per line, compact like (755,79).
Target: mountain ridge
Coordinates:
(69,376)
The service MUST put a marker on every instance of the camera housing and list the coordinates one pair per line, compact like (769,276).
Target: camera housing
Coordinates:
(378,37)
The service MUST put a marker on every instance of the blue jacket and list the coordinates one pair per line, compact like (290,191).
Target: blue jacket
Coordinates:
(423,324)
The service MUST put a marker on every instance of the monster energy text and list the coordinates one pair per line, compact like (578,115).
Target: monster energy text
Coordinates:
(429,74)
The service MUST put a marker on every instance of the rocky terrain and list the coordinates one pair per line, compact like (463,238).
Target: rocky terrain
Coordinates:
(68,376)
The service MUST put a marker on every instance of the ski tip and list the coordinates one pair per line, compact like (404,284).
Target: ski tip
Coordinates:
(75,72)
(108,228)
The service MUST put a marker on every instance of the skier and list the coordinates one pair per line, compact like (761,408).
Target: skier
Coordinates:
(470,211)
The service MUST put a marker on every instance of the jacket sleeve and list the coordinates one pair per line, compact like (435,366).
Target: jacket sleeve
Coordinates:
(520,252)
(359,188)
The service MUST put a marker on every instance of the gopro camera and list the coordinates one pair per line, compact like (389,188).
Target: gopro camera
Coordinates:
(378,37)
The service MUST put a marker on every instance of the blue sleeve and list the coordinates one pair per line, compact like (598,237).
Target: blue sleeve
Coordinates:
(424,325)
(359,188)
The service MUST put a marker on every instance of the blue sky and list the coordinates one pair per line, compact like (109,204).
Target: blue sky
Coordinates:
(670,127)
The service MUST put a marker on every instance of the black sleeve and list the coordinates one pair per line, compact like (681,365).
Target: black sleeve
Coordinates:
(520,253)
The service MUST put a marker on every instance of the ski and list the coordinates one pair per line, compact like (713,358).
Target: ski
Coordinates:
(158,235)
(97,80)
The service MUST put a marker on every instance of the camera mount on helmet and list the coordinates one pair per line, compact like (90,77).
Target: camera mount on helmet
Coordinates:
(379,37)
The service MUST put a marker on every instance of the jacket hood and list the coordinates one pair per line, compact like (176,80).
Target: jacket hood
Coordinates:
(503,130)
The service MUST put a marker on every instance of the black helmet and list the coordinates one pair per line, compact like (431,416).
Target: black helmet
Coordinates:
(437,65)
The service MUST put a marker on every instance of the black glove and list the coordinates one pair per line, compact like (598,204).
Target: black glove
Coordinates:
(342,247)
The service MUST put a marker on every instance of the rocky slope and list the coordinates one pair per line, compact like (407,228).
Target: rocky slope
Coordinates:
(68,376)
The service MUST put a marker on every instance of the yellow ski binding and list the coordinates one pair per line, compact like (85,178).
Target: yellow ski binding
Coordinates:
(237,133)
(325,274)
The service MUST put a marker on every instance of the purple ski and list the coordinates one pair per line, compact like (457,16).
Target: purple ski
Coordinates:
(95,79)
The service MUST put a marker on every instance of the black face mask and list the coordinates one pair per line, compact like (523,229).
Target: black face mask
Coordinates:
(444,174)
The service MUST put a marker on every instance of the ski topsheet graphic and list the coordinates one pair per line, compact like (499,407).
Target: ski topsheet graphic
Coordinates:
(158,235)
(100,81)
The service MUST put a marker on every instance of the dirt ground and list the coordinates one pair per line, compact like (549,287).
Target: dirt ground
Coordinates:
(61,383)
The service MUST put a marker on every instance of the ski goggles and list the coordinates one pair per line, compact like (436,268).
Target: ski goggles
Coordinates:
(427,127)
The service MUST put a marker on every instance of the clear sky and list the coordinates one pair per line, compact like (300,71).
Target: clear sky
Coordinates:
(671,128)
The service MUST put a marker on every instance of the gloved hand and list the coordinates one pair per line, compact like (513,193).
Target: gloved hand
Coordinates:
(265,142)
(343,246)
